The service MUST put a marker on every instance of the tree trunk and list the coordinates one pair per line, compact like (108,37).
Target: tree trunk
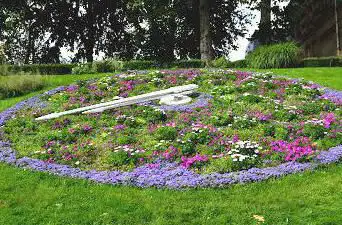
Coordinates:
(205,40)
(265,26)
(338,43)
(90,37)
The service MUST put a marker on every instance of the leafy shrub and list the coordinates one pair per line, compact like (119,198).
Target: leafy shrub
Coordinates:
(323,62)
(223,119)
(55,69)
(166,133)
(282,55)
(192,63)
(125,140)
(221,62)
(2,54)
(221,165)
(12,86)
(109,65)
(238,64)
(84,69)
(118,158)
(310,108)
(314,131)
(138,65)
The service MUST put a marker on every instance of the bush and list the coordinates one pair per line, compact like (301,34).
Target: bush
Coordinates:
(282,55)
(139,65)
(221,62)
(238,64)
(323,62)
(2,54)
(109,65)
(221,165)
(12,86)
(51,69)
(84,69)
(166,133)
(192,63)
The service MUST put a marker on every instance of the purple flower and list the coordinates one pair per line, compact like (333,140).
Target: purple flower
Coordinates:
(119,127)
(164,174)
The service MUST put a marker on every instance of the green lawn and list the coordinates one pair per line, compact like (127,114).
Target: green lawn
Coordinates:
(52,82)
(329,77)
(311,198)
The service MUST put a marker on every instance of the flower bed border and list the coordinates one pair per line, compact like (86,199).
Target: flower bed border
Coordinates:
(163,174)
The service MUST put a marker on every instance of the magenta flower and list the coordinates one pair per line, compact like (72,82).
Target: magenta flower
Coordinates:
(188,162)
(298,149)
(329,119)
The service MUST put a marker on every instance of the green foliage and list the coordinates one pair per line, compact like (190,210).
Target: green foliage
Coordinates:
(166,133)
(310,108)
(221,62)
(2,54)
(12,86)
(47,69)
(314,131)
(221,165)
(191,63)
(118,158)
(108,65)
(282,55)
(138,65)
(84,69)
(238,64)
(41,201)
(126,139)
(323,62)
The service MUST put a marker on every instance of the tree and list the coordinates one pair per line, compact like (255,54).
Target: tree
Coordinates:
(35,31)
(205,40)
(164,30)
(265,25)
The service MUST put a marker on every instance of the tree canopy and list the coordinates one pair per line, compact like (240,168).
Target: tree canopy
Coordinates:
(37,31)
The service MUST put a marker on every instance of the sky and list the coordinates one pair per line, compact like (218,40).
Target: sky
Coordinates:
(243,42)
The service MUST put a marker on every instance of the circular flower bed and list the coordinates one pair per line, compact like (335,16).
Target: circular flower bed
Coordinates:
(241,127)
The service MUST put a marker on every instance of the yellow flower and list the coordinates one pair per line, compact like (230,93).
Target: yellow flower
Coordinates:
(259,218)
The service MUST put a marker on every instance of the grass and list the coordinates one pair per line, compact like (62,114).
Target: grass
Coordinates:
(328,77)
(37,198)
(274,56)
(11,86)
(50,83)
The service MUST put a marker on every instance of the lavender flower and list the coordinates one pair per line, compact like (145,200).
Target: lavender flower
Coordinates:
(161,174)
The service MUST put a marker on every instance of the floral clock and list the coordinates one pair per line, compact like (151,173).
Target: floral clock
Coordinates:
(239,127)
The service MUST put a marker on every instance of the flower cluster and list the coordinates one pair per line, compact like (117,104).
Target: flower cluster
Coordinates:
(244,150)
(128,149)
(247,120)
(299,148)
(197,159)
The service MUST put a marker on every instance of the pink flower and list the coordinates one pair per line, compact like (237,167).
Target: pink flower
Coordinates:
(188,162)
(171,124)
(299,148)
(329,119)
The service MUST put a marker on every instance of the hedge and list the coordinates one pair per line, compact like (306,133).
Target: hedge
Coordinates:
(56,69)
(333,61)
(112,66)
(103,66)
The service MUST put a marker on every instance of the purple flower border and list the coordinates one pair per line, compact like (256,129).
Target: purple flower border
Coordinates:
(164,174)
